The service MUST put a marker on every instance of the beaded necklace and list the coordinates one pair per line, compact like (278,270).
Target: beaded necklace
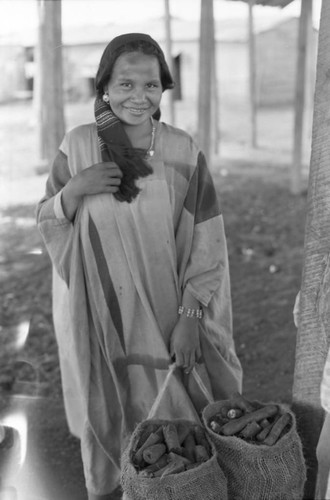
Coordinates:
(150,151)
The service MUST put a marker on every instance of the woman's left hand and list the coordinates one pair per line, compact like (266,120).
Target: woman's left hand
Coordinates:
(185,344)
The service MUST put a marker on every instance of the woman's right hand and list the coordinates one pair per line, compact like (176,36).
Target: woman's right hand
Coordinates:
(100,178)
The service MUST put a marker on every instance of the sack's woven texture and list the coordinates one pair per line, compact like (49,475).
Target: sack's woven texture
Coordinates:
(256,471)
(205,482)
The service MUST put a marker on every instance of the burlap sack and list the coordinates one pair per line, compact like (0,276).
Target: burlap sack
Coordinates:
(205,482)
(257,471)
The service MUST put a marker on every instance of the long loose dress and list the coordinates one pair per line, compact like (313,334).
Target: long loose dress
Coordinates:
(119,273)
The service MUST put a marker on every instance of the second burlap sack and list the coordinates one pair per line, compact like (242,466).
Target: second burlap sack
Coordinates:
(257,471)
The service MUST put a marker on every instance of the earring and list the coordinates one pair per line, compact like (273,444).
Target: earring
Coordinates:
(105,98)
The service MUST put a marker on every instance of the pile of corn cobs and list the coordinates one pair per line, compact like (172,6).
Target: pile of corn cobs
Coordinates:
(260,424)
(170,448)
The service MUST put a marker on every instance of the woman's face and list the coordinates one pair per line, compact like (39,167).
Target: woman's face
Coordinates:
(135,88)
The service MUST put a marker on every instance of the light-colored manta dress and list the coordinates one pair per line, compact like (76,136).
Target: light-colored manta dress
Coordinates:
(119,273)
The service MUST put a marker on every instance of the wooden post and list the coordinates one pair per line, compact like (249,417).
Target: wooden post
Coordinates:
(206,59)
(169,57)
(313,338)
(310,86)
(304,39)
(49,80)
(252,77)
(215,104)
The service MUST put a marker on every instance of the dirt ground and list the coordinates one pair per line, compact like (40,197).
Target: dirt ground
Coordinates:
(265,232)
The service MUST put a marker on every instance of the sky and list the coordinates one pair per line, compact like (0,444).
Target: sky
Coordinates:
(17,15)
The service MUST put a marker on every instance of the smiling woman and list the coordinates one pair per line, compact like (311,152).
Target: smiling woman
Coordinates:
(133,226)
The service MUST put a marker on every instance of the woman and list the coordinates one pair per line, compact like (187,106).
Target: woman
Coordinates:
(133,227)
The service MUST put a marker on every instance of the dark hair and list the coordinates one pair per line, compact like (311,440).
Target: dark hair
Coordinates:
(131,42)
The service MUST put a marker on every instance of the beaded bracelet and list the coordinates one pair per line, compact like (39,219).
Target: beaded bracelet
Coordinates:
(191,313)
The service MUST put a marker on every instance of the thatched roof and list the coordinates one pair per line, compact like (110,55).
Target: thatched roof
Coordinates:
(269,3)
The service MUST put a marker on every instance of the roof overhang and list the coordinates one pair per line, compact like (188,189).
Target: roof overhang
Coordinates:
(268,3)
